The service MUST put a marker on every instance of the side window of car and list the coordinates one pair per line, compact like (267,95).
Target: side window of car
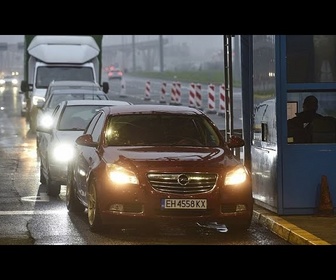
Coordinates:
(91,124)
(97,129)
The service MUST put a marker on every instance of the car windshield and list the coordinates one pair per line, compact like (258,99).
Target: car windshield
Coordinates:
(160,129)
(77,117)
(58,98)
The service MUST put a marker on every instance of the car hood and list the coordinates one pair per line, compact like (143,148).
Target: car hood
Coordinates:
(169,156)
(69,136)
(40,92)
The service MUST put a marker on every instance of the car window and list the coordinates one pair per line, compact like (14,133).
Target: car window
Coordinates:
(77,117)
(97,129)
(160,130)
(57,98)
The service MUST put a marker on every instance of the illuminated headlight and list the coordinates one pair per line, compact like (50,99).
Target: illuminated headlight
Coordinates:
(119,175)
(63,152)
(2,81)
(36,98)
(236,176)
(14,81)
(46,121)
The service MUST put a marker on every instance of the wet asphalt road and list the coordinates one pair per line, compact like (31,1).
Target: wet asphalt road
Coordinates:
(28,216)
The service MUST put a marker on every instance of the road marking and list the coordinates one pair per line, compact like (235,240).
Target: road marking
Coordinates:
(34,212)
(43,197)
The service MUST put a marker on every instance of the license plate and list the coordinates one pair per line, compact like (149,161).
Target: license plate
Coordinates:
(184,203)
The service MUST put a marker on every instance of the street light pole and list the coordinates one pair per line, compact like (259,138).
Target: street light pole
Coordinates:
(134,53)
(161,53)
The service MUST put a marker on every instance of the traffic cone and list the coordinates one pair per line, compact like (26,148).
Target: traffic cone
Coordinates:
(325,206)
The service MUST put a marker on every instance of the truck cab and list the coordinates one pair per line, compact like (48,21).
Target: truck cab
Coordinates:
(50,58)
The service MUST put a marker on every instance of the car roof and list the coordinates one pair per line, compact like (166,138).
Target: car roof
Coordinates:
(73,83)
(77,90)
(152,108)
(95,102)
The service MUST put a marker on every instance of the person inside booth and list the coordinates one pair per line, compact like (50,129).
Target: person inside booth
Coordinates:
(309,126)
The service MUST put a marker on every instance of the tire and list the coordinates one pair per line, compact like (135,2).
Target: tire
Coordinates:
(93,211)
(53,188)
(43,179)
(72,202)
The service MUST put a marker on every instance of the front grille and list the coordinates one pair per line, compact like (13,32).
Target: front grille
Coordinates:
(182,183)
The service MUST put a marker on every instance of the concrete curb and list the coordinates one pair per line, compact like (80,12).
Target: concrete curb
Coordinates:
(287,231)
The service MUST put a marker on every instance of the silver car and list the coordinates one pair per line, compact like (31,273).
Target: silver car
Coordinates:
(57,136)
(45,108)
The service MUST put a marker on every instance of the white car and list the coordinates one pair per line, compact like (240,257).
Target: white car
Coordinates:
(9,80)
(69,84)
(58,135)
(45,108)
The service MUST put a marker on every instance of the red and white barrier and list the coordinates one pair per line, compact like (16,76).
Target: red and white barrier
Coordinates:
(221,110)
(163,93)
(147,91)
(211,99)
(198,96)
(192,95)
(172,94)
(178,94)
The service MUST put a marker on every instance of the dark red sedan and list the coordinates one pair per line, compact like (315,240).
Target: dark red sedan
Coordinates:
(150,163)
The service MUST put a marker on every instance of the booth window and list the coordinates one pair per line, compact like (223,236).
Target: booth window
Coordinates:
(311,58)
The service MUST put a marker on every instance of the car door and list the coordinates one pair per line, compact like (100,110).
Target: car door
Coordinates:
(86,156)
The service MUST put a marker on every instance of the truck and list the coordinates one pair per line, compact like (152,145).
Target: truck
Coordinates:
(49,58)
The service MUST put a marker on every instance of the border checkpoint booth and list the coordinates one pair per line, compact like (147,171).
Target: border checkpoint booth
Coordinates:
(278,73)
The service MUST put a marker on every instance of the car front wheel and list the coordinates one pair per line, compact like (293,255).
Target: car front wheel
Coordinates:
(94,218)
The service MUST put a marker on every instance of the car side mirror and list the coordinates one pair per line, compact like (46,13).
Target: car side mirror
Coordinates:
(235,142)
(106,87)
(86,140)
(24,86)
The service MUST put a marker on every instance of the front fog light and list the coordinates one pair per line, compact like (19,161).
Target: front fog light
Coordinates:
(117,207)
(241,207)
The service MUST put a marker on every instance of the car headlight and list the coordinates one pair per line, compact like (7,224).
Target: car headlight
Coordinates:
(14,81)
(236,176)
(36,98)
(46,121)
(120,175)
(63,152)
(2,81)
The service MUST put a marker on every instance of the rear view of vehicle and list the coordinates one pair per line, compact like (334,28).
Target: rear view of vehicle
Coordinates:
(152,163)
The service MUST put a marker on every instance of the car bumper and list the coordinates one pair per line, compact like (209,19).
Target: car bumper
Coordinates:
(143,204)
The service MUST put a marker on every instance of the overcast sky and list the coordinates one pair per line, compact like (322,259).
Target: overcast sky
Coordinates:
(197,43)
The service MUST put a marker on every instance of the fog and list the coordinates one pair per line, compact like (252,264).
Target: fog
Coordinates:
(180,51)
(198,44)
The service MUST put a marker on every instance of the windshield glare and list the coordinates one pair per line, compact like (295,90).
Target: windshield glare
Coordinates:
(147,130)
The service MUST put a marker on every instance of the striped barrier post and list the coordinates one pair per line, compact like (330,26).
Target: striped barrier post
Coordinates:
(178,93)
(163,93)
(221,111)
(192,95)
(211,99)
(173,93)
(147,91)
(198,96)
